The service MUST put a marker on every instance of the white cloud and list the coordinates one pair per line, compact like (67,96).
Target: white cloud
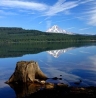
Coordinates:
(60,6)
(67,12)
(92,17)
(70,28)
(86,1)
(27,11)
(2,12)
(85,28)
(90,14)
(64,20)
(40,22)
(23,4)
(48,24)
(44,20)
(63,6)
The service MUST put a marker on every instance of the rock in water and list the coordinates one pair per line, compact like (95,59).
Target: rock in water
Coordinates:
(27,71)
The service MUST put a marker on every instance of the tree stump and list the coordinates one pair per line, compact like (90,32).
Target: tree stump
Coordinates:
(27,71)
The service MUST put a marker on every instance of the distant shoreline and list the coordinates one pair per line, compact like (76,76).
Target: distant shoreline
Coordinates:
(19,35)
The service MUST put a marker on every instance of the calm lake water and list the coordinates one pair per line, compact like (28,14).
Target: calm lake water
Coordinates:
(73,63)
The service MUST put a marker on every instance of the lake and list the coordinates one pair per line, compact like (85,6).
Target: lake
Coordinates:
(74,63)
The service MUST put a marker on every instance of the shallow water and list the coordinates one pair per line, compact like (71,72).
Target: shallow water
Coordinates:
(74,64)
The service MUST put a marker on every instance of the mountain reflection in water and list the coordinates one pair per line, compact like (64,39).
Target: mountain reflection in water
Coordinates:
(57,53)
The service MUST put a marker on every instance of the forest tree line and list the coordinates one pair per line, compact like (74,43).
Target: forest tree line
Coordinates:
(19,35)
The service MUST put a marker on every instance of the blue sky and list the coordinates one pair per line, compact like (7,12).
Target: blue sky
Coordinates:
(78,16)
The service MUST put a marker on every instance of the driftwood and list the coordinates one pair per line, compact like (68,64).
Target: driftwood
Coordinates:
(27,71)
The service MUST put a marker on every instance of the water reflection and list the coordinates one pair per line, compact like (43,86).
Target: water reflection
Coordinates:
(20,49)
(22,90)
(73,62)
(57,53)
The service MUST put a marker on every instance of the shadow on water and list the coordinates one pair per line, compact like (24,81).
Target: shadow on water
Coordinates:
(22,90)
(20,49)
(58,91)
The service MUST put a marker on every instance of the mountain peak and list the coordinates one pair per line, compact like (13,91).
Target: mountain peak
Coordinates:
(56,29)
(55,26)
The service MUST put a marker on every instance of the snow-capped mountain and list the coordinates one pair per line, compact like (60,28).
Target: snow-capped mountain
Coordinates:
(57,53)
(56,29)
